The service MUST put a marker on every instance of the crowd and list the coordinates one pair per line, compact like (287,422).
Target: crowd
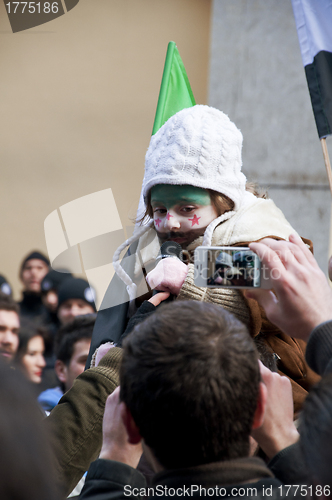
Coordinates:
(219,392)
(55,306)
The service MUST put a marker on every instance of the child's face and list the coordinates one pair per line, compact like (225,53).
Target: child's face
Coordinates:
(181,213)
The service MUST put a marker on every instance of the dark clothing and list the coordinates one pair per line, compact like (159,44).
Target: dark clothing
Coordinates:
(142,313)
(32,307)
(111,322)
(319,348)
(51,322)
(241,478)
(289,466)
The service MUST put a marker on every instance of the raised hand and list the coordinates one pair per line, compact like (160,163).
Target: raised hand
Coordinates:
(303,297)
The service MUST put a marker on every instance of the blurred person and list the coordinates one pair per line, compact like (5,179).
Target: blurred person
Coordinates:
(75,298)
(72,348)
(30,353)
(33,269)
(9,327)
(49,294)
(5,286)
(49,288)
(26,470)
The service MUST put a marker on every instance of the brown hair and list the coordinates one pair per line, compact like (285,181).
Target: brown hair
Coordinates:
(79,328)
(8,304)
(190,379)
(256,190)
(219,201)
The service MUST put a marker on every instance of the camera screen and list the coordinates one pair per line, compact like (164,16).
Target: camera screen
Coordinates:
(233,268)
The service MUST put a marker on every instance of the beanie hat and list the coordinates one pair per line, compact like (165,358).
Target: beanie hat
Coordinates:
(76,288)
(34,255)
(198,146)
(5,286)
(53,279)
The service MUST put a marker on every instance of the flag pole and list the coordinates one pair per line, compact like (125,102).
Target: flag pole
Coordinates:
(327,162)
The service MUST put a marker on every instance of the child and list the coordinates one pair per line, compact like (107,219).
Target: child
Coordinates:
(196,194)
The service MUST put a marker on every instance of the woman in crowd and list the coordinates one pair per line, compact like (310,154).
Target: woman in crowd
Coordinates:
(30,353)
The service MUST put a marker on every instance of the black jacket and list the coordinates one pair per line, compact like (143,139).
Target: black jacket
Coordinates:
(241,478)
(319,348)
(112,319)
(32,307)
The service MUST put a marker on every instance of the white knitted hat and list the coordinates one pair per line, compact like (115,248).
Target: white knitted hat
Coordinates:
(198,146)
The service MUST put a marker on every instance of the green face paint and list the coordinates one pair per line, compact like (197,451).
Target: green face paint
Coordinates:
(170,196)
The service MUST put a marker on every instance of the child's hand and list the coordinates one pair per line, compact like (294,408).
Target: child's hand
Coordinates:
(158,298)
(168,275)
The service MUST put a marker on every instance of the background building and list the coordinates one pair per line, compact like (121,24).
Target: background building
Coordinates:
(257,78)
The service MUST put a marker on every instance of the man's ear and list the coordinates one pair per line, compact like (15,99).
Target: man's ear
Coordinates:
(134,436)
(261,406)
(61,371)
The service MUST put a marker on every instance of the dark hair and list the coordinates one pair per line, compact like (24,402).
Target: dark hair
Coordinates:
(80,328)
(28,331)
(26,469)
(316,431)
(8,304)
(190,378)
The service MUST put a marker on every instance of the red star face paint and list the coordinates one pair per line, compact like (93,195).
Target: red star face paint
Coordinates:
(195,220)
(177,209)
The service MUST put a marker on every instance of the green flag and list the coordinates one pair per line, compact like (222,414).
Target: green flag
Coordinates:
(175,91)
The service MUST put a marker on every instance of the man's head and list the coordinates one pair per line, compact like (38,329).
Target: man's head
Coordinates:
(72,349)
(75,298)
(9,327)
(190,380)
(33,269)
(49,288)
